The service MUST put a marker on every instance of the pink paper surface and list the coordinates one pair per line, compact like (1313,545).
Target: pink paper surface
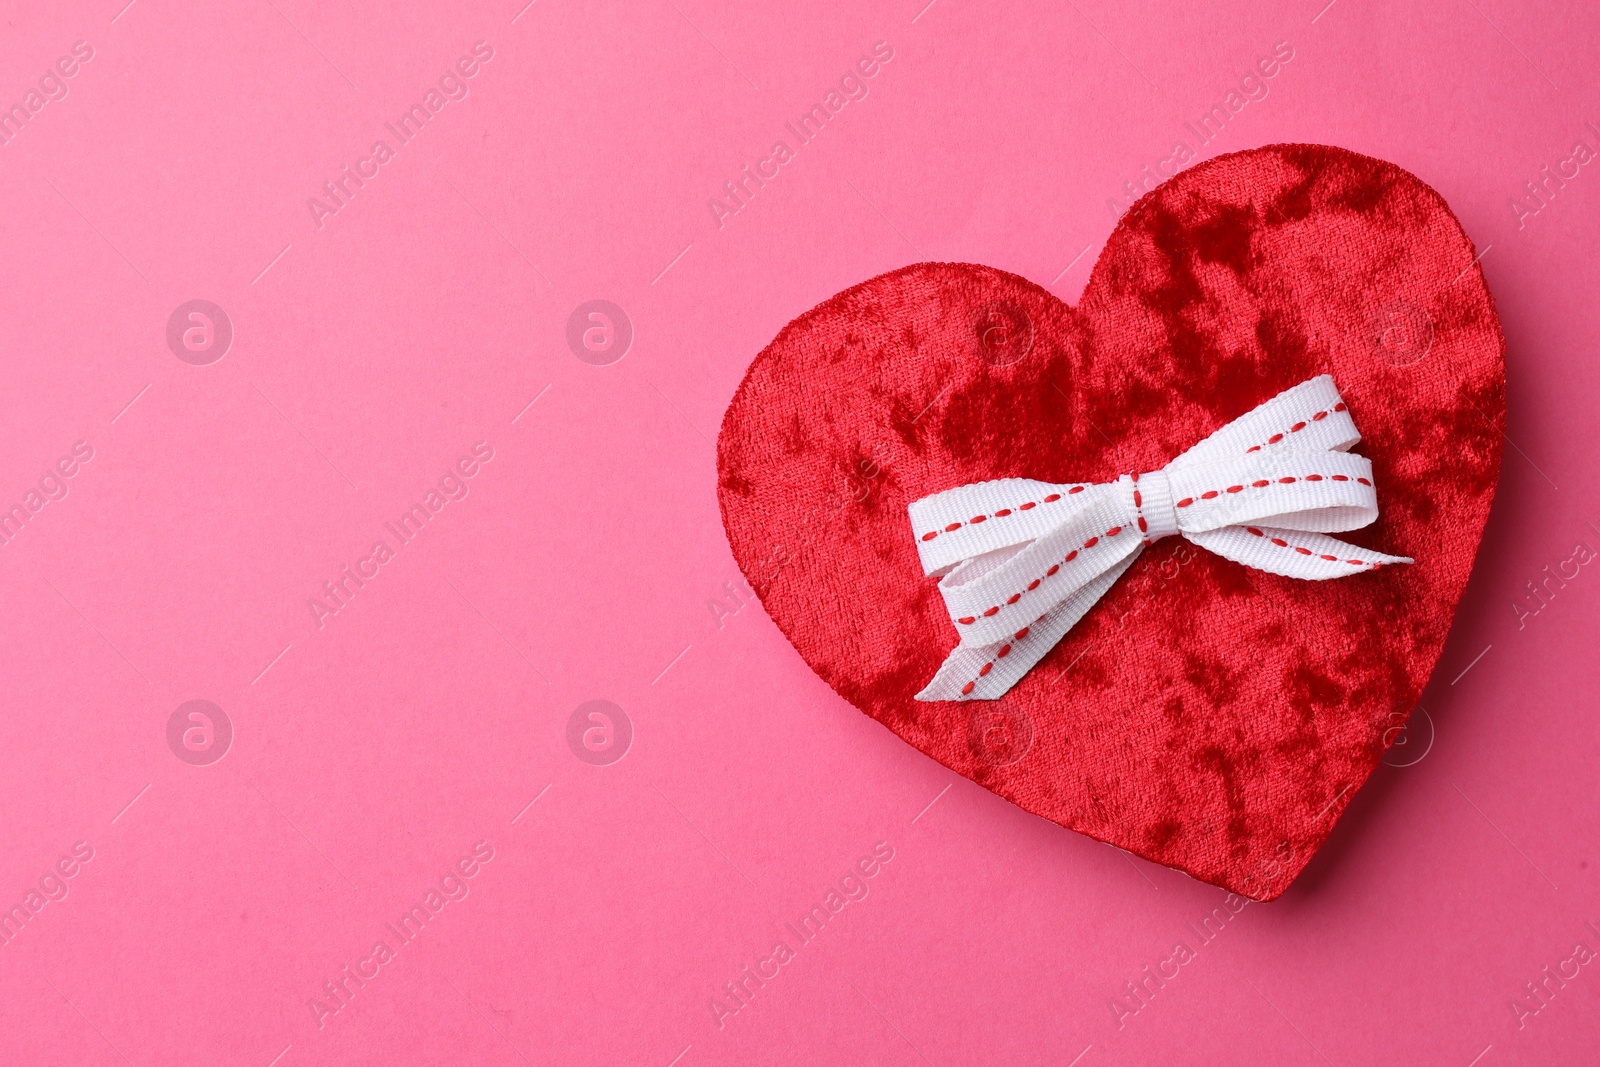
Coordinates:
(368,750)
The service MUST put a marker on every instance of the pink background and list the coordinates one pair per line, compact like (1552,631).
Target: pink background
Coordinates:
(371,353)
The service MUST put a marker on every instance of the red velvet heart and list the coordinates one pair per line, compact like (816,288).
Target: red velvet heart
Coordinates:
(1203,715)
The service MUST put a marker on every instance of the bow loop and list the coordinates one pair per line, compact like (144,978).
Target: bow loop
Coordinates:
(991,597)
(1325,492)
(972,520)
(1310,417)
(1021,561)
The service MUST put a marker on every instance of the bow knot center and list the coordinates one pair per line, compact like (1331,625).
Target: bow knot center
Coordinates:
(1147,499)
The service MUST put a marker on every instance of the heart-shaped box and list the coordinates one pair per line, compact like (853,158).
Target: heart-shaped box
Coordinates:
(1205,716)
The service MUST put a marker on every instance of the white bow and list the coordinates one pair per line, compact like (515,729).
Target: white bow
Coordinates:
(1022,561)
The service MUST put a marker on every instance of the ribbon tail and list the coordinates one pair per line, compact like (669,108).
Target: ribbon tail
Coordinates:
(1292,553)
(987,672)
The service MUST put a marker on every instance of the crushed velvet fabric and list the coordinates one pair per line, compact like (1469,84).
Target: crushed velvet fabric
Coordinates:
(1205,716)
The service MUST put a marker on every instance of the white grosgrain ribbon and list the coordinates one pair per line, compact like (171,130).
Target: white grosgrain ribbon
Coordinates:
(1021,561)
